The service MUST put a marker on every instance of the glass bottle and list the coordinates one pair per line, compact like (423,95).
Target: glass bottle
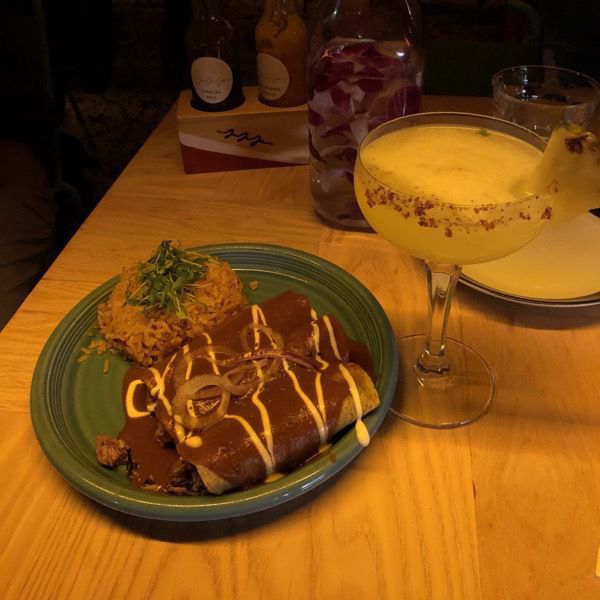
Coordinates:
(281,54)
(212,57)
(365,68)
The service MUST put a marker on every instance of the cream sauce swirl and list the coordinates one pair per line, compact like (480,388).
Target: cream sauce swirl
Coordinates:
(362,433)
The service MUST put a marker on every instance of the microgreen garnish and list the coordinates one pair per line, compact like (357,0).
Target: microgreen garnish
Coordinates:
(483,132)
(167,278)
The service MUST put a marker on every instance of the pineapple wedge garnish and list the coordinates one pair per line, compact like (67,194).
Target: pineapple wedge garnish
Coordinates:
(570,168)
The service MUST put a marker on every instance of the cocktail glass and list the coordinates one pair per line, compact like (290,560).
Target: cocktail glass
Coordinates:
(443,383)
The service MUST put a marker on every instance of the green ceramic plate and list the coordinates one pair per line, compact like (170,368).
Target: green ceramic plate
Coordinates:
(72,402)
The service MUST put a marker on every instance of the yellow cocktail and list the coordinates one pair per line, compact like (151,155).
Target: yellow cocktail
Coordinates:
(457,189)
(450,193)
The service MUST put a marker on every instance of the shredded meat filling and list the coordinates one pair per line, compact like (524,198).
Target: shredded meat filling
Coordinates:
(186,481)
(111,452)
(162,436)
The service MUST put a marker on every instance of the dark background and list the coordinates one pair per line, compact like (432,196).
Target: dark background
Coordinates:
(84,82)
(116,65)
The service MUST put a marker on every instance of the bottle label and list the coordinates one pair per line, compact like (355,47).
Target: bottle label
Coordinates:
(212,79)
(273,77)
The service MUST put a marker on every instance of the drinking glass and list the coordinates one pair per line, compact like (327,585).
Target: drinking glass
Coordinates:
(540,97)
(443,383)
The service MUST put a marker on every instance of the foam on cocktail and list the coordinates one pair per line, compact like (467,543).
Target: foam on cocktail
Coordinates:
(447,193)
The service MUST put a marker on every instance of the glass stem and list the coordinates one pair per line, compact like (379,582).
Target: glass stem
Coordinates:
(441,283)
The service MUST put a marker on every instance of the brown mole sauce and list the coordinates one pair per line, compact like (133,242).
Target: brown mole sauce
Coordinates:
(227,449)
(153,463)
(360,355)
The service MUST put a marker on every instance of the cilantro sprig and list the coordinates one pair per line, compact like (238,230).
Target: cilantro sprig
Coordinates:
(167,279)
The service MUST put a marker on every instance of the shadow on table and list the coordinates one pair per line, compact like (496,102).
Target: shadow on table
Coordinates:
(184,531)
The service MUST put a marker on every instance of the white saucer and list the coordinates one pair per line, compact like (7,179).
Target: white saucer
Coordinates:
(559,268)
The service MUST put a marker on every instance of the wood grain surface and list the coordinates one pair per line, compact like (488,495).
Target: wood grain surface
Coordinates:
(508,508)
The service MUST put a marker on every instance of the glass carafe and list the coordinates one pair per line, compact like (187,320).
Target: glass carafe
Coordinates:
(365,68)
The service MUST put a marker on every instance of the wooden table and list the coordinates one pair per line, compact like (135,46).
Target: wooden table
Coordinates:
(506,508)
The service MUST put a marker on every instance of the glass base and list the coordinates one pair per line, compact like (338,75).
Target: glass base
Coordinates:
(458,397)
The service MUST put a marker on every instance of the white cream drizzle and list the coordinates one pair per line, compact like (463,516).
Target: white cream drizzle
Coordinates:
(159,388)
(315,414)
(264,413)
(131,410)
(212,355)
(362,433)
(262,450)
(320,396)
(179,432)
(266,421)
(195,441)
(190,361)
(258,318)
(332,339)
(316,336)
(266,452)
